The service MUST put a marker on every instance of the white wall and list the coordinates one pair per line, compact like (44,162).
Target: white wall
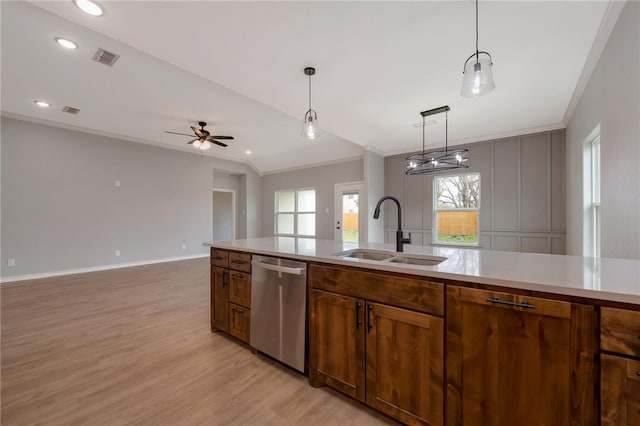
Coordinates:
(323,179)
(522,197)
(374,188)
(611,100)
(61,210)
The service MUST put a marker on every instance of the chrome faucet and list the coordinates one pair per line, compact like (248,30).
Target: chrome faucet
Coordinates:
(399,238)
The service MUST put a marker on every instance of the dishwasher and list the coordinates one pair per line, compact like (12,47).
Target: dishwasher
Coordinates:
(278,309)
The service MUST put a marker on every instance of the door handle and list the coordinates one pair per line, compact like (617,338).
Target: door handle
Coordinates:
(225,278)
(369,322)
(358,322)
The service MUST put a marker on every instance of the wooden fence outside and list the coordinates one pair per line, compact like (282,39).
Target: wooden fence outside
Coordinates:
(350,221)
(457,223)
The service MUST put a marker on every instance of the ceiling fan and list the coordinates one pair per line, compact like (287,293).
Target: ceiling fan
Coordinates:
(203,138)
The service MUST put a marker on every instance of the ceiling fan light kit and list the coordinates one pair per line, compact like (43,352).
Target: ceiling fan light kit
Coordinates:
(436,160)
(310,128)
(477,72)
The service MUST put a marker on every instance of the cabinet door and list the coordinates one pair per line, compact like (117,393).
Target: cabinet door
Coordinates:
(405,364)
(619,391)
(240,288)
(219,299)
(239,322)
(336,343)
(515,360)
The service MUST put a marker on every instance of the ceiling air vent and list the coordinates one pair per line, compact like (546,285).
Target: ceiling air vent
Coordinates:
(71,110)
(105,57)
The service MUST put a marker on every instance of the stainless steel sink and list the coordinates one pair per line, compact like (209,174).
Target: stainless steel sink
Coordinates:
(393,257)
(422,260)
(367,254)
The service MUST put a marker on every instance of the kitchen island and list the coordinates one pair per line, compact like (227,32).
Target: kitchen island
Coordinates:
(484,337)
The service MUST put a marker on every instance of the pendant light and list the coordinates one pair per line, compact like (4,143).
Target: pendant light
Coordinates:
(310,129)
(478,76)
(437,160)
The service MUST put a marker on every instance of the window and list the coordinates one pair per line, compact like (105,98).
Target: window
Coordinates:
(595,195)
(296,212)
(456,208)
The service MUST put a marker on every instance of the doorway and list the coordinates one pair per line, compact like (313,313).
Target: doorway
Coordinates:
(349,222)
(224,213)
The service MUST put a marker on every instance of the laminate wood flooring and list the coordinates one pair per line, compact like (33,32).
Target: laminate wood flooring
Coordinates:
(133,346)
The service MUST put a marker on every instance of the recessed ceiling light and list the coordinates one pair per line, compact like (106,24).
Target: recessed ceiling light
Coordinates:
(89,7)
(42,104)
(67,44)
(248,152)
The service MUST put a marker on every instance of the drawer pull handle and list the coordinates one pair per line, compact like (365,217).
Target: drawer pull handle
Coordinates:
(240,311)
(524,304)
(219,258)
(238,262)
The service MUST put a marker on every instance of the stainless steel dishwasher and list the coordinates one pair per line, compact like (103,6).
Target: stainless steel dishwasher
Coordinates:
(278,309)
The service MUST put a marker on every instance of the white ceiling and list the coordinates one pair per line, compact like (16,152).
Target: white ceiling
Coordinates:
(238,66)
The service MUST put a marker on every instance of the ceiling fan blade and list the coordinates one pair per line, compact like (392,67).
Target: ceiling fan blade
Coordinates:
(198,132)
(222,137)
(175,133)
(211,139)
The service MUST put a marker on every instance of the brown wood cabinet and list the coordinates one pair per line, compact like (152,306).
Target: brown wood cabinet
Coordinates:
(405,364)
(231,293)
(336,355)
(402,374)
(219,299)
(516,360)
(619,373)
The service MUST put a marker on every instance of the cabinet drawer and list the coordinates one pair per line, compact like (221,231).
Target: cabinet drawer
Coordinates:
(219,258)
(239,322)
(416,294)
(620,391)
(240,261)
(620,331)
(240,288)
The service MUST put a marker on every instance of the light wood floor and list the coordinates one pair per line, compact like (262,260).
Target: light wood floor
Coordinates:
(133,346)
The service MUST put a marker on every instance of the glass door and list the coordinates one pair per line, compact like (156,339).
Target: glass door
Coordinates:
(348,219)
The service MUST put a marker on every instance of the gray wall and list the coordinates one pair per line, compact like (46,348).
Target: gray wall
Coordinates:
(323,179)
(521,194)
(612,100)
(62,211)
(374,189)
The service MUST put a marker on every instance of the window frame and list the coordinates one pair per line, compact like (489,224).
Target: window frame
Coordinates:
(596,211)
(296,214)
(436,210)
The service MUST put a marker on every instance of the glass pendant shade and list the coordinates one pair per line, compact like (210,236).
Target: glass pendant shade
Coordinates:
(205,145)
(196,144)
(478,75)
(310,128)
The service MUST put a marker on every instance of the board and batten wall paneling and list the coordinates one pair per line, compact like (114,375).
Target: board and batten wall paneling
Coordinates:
(522,194)
(506,180)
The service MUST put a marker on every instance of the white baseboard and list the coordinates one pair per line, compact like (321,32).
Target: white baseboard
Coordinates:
(15,278)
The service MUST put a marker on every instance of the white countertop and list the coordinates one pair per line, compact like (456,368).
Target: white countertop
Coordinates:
(615,280)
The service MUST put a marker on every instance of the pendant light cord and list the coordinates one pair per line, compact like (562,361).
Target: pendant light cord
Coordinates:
(310,92)
(423,137)
(446,133)
(476,29)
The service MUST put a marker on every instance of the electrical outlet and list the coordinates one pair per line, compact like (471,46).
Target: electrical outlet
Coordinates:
(116,183)
(117,253)
(184,246)
(11,262)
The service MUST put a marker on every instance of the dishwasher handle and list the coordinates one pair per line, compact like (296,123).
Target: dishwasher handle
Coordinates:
(278,268)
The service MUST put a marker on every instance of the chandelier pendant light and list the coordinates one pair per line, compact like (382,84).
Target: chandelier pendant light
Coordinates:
(310,129)
(437,160)
(477,73)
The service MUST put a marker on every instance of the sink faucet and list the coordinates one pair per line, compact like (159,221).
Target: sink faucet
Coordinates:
(399,239)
